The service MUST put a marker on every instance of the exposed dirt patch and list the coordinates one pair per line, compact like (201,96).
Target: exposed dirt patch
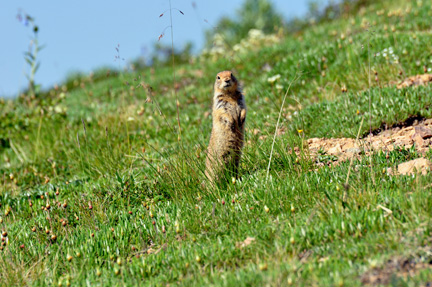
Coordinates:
(411,121)
(394,268)
(418,165)
(336,150)
(418,80)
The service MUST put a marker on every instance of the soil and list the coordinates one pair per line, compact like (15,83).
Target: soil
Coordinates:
(418,80)
(336,150)
(414,131)
(393,269)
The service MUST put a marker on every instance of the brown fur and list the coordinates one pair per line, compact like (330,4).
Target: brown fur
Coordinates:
(227,136)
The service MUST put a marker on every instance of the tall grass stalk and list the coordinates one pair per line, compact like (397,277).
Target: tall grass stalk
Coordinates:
(173,71)
(370,107)
(277,124)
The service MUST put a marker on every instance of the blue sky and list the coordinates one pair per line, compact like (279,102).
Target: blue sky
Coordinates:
(82,35)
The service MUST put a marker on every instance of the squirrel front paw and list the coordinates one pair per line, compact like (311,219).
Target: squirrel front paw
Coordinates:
(242,116)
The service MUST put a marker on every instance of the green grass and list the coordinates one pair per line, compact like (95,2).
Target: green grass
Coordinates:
(109,141)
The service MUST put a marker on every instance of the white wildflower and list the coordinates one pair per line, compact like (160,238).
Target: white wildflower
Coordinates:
(273,79)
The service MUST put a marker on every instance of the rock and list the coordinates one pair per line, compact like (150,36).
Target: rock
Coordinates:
(419,141)
(422,132)
(348,143)
(389,171)
(419,165)
(421,135)
(387,133)
(336,150)
(354,150)
(245,243)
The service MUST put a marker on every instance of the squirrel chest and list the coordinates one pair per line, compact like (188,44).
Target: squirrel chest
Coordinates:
(227,111)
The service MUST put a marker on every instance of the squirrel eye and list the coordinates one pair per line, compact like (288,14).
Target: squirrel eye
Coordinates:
(218,78)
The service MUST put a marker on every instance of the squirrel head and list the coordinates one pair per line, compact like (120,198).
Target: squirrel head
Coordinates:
(226,82)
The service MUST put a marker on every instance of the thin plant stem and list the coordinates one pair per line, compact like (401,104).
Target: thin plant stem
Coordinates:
(277,126)
(370,110)
(38,136)
(174,78)
(352,157)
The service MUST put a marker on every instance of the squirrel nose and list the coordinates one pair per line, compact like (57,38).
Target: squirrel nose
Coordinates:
(227,80)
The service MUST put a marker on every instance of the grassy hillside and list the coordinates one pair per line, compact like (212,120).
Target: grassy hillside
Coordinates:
(97,190)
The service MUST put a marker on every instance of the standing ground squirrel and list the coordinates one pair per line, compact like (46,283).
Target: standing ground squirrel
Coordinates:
(227,135)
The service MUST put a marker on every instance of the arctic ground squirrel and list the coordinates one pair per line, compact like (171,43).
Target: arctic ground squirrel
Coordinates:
(227,135)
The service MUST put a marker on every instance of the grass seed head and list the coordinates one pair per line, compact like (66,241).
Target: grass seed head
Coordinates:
(263,267)
(344,89)
(289,281)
